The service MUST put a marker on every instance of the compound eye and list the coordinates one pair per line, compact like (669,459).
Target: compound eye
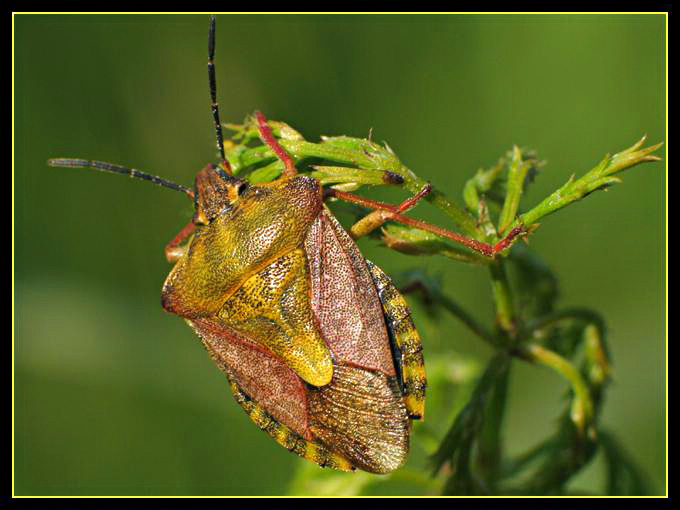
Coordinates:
(235,189)
(241,187)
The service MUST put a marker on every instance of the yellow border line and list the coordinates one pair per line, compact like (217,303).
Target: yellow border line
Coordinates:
(284,496)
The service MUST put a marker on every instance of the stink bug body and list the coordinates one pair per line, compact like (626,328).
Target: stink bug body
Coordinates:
(317,344)
(291,312)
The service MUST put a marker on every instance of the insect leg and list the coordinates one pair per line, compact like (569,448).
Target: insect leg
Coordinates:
(268,138)
(173,250)
(486,249)
(378,217)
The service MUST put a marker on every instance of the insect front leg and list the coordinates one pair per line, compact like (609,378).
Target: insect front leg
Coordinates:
(175,250)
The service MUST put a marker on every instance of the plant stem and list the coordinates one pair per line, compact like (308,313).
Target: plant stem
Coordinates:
(517,173)
(502,295)
(582,406)
(600,177)
(584,314)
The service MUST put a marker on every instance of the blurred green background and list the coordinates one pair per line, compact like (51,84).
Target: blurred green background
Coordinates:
(114,396)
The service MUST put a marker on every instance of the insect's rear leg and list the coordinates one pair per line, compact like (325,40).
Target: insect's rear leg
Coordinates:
(393,213)
(386,212)
(378,217)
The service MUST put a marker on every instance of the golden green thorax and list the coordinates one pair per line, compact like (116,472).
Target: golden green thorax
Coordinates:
(244,265)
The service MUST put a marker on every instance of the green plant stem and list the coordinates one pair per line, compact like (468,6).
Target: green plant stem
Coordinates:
(596,345)
(359,153)
(582,406)
(502,296)
(413,241)
(342,174)
(376,160)
(481,182)
(517,173)
(597,358)
(600,177)
(584,314)
(365,155)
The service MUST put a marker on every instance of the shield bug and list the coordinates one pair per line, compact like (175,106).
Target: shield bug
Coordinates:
(317,344)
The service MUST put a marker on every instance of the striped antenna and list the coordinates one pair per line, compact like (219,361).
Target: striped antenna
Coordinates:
(118,169)
(213,95)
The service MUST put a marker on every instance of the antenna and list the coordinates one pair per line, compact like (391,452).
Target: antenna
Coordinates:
(118,169)
(213,94)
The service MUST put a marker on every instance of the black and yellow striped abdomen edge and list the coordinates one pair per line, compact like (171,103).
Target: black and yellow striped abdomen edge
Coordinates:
(405,341)
(292,441)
